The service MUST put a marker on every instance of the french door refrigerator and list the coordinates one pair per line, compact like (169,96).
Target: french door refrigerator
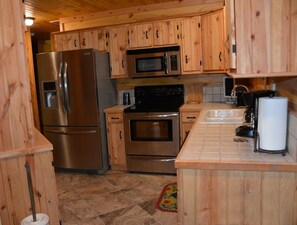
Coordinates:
(74,89)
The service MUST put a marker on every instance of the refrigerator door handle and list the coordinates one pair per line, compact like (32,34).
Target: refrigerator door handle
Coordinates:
(66,87)
(60,84)
(70,132)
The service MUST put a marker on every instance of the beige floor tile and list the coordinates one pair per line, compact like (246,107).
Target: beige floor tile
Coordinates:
(133,215)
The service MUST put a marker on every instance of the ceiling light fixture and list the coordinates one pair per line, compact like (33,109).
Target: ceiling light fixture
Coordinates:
(29,21)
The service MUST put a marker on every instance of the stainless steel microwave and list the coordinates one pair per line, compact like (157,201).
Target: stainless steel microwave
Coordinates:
(152,62)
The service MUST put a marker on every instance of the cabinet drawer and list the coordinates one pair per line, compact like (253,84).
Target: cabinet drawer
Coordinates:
(115,118)
(190,117)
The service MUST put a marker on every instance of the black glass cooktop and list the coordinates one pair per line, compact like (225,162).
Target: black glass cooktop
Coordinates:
(161,98)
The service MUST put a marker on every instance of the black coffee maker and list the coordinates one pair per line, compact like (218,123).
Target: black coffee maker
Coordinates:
(249,127)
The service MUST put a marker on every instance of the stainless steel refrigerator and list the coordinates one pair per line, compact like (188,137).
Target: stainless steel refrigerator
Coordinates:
(74,89)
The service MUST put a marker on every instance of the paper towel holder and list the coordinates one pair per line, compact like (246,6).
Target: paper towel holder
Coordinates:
(258,149)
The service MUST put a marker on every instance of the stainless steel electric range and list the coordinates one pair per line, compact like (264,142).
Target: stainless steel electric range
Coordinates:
(152,128)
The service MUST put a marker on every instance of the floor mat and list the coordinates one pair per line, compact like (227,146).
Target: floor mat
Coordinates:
(168,198)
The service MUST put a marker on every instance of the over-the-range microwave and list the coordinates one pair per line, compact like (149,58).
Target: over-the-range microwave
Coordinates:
(152,62)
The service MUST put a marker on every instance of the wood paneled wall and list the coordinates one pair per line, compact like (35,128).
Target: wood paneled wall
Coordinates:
(212,197)
(16,120)
(14,194)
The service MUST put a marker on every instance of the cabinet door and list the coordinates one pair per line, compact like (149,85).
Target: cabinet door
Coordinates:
(116,141)
(88,39)
(187,121)
(191,45)
(167,32)
(213,41)
(140,35)
(262,36)
(96,38)
(66,41)
(118,42)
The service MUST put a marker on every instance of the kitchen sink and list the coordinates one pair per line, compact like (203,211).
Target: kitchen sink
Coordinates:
(222,116)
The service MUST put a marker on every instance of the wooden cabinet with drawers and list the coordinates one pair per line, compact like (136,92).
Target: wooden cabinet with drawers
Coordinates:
(187,119)
(116,139)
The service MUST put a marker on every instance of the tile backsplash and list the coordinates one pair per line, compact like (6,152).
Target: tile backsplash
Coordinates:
(213,94)
(120,96)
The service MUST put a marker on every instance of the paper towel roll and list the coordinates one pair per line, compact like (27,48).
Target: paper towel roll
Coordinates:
(272,123)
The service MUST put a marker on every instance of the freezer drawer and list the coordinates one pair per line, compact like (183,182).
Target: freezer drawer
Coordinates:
(76,148)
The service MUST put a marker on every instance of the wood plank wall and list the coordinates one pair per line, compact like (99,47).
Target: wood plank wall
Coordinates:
(212,197)
(16,120)
(14,194)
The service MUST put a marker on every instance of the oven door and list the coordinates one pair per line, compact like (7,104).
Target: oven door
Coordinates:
(152,134)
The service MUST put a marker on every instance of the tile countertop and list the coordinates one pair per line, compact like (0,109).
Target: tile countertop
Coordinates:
(212,146)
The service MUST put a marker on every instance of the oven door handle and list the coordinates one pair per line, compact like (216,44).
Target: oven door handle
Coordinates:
(166,62)
(151,116)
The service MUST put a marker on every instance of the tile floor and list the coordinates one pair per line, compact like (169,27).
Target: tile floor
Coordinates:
(115,198)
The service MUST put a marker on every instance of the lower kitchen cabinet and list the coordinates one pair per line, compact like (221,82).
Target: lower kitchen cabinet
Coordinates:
(187,119)
(116,140)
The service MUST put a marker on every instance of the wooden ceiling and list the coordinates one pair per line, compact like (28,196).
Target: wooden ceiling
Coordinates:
(48,12)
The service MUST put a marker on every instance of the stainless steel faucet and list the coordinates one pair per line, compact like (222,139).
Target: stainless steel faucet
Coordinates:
(233,92)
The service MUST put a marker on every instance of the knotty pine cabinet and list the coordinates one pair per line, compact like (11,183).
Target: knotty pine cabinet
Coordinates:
(118,44)
(65,41)
(116,140)
(213,39)
(95,38)
(158,33)
(140,35)
(187,120)
(191,45)
(263,34)
(167,32)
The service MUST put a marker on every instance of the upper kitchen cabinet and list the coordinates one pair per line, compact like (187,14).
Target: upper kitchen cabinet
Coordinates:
(191,45)
(157,33)
(167,32)
(213,39)
(95,38)
(264,38)
(140,35)
(118,43)
(65,41)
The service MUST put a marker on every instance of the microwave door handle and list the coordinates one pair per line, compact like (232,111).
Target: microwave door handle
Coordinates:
(166,62)
(66,87)
(60,84)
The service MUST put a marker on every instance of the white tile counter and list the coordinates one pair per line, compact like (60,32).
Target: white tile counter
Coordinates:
(215,146)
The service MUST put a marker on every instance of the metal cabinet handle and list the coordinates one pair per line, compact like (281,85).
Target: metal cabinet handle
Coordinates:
(115,118)
(121,135)
(187,60)
(84,42)
(220,56)
(157,33)
(74,42)
(191,117)
(146,34)
(123,64)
